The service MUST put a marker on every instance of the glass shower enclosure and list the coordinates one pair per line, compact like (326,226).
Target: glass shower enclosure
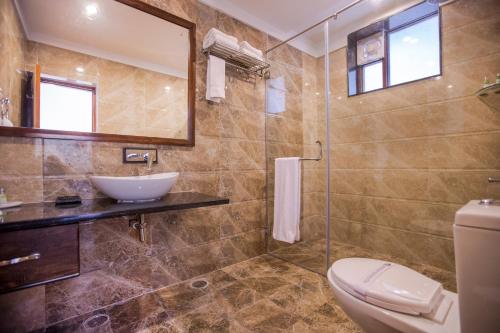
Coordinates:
(296,125)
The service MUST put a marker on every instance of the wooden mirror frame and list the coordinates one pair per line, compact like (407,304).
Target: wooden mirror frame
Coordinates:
(86,136)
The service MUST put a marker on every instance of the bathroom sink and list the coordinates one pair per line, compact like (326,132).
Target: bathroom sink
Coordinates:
(136,188)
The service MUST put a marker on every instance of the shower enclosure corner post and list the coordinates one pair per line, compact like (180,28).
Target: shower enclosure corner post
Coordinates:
(327,138)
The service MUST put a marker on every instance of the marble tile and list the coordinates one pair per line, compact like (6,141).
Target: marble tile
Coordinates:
(23,311)
(242,186)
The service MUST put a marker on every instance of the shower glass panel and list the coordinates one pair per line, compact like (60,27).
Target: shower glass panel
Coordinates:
(295,121)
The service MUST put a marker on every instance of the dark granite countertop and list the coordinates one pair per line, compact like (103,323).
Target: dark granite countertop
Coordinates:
(46,214)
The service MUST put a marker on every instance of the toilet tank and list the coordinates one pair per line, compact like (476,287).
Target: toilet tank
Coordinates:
(477,255)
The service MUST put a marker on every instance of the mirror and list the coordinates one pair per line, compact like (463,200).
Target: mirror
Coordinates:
(402,48)
(102,70)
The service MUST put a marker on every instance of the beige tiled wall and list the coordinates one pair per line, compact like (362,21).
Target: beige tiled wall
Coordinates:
(406,158)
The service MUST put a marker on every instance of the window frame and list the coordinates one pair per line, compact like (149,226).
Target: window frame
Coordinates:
(376,27)
(73,85)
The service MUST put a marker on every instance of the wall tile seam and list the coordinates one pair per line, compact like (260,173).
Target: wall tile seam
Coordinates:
(426,137)
(407,107)
(422,170)
(385,227)
(480,22)
(410,107)
(399,198)
(188,246)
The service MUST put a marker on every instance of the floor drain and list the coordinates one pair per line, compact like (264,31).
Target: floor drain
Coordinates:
(199,284)
(96,321)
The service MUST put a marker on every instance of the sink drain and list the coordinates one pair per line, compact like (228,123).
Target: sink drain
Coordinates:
(96,321)
(199,284)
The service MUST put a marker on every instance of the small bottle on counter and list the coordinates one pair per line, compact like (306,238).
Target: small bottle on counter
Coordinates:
(498,78)
(3,197)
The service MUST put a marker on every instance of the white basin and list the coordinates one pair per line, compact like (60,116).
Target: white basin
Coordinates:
(136,188)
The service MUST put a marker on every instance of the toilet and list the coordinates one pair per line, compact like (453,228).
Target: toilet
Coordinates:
(383,297)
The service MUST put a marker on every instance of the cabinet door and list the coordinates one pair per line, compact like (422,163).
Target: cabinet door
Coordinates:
(36,256)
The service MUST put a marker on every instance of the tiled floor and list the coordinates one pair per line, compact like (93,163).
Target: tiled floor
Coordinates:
(311,255)
(264,294)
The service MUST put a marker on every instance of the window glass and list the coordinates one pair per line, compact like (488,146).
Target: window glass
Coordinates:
(373,76)
(352,83)
(414,51)
(65,108)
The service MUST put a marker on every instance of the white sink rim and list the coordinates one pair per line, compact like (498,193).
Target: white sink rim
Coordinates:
(131,189)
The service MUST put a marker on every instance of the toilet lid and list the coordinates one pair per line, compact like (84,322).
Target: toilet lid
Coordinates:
(388,285)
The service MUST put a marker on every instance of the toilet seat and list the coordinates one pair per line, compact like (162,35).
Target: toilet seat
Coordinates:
(388,285)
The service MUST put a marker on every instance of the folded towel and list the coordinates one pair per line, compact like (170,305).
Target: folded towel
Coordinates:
(287,199)
(251,54)
(216,32)
(248,49)
(217,36)
(216,79)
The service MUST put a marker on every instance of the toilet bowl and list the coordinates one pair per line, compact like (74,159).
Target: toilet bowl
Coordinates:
(383,297)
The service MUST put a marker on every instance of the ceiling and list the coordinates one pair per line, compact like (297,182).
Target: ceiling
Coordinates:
(285,18)
(116,32)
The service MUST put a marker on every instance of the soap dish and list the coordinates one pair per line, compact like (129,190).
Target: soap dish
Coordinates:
(11,204)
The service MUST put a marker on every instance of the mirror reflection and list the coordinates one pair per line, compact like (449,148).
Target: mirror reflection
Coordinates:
(81,66)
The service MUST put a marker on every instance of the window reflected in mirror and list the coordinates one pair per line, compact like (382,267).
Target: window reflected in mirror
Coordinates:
(403,48)
(66,107)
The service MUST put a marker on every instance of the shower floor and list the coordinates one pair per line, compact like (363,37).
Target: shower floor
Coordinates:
(311,255)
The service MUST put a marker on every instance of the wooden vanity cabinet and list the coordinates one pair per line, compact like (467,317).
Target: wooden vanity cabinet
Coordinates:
(43,255)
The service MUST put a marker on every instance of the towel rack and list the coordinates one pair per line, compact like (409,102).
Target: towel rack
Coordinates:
(320,154)
(239,60)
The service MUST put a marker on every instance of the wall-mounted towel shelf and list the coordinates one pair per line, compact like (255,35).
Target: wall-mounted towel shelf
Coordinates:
(238,60)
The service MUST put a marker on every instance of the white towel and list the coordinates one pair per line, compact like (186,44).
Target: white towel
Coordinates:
(217,36)
(251,51)
(216,79)
(287,199)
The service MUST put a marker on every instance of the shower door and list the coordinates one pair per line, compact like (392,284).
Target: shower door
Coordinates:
(296,126)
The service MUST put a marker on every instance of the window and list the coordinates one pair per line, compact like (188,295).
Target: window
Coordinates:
(414,51)
(402,48)
(66,106)
(372,76)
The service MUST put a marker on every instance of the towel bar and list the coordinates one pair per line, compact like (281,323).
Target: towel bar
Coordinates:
(320,154)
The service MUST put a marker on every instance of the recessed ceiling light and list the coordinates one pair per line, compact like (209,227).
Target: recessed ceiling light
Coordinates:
(80,69)
(91,11)
(167,88)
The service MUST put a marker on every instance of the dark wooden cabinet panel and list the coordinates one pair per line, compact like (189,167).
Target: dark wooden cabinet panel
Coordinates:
(51,254)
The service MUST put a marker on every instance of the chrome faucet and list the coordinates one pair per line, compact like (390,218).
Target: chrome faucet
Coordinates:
(149,161)
(146,156)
